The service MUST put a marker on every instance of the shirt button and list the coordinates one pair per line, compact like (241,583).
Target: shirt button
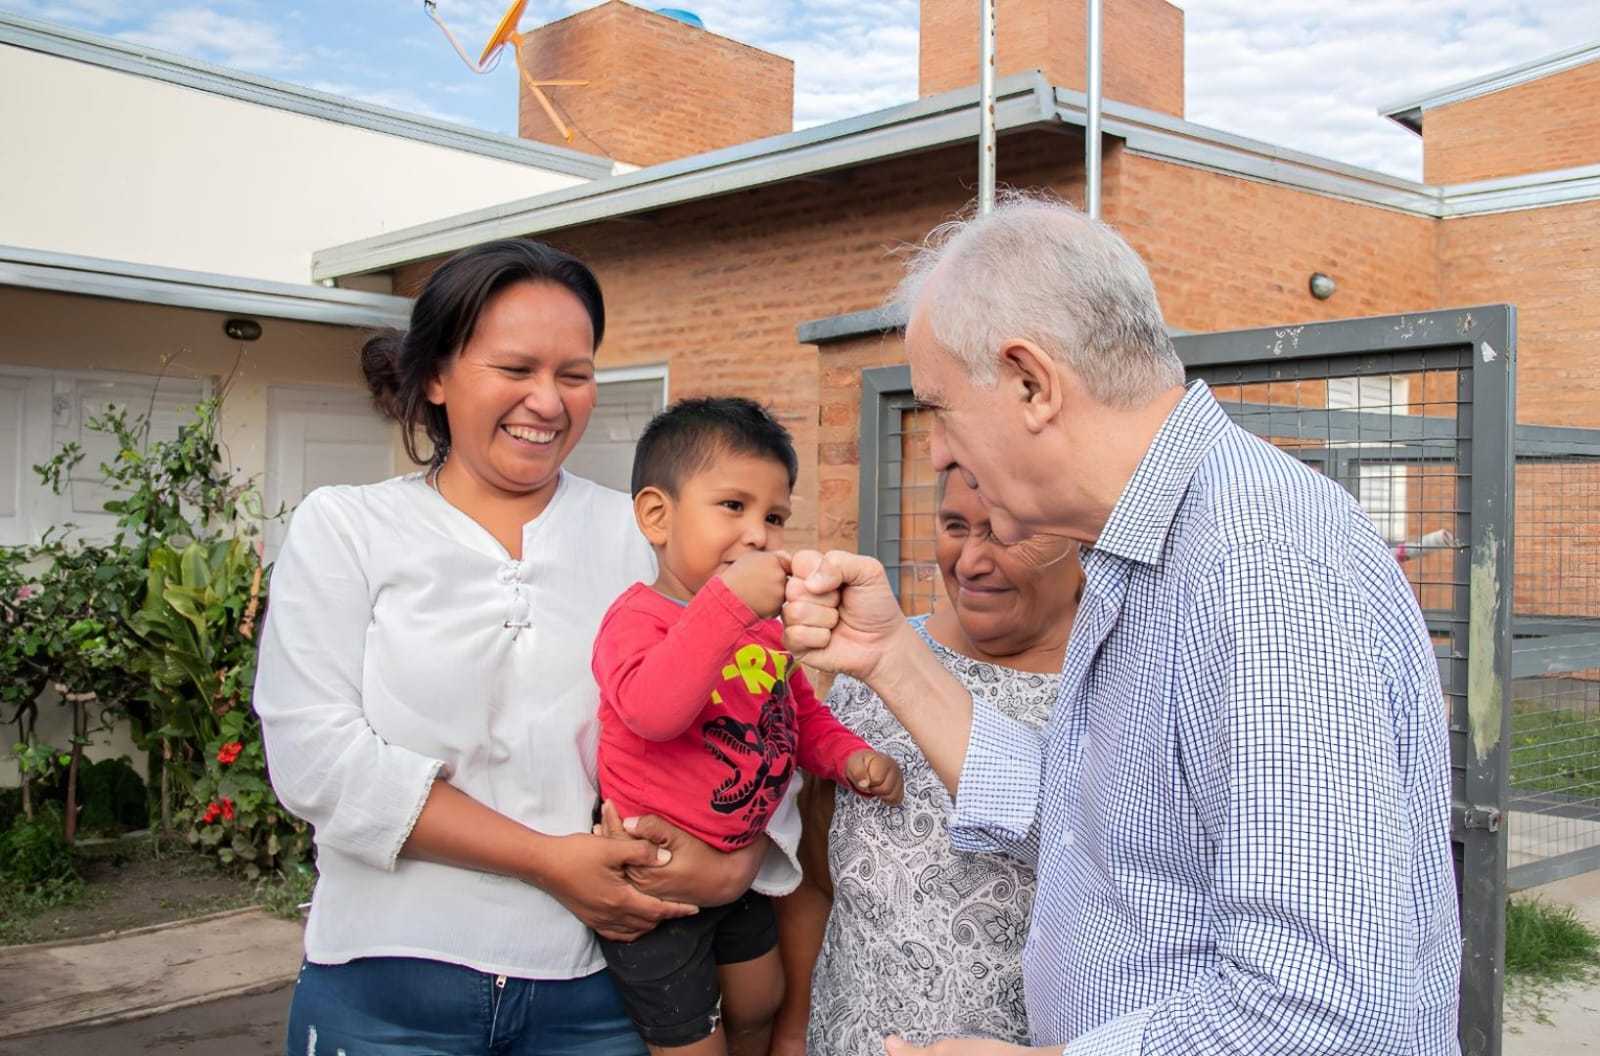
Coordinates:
(507,574)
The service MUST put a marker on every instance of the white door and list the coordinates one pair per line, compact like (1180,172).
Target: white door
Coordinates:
(24,443)
(319,435)
(80,399)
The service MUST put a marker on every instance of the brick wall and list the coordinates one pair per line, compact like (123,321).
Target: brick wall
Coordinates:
(658,88)
(1550,123)
(1142,47)
(1547,263)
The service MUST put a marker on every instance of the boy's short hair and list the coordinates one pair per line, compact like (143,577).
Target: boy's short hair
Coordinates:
(683,439)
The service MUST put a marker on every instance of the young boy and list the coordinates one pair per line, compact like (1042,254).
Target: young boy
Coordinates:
(703,717)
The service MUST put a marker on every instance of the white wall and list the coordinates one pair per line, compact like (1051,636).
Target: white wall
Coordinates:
(107,164)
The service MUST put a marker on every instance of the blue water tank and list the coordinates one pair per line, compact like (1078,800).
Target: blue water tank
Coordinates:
(687,17)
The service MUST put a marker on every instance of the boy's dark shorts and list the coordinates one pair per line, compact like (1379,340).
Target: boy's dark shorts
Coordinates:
(668,977)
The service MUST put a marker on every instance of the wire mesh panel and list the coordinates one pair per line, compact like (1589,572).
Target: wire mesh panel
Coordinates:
(1554,793)
(908,513)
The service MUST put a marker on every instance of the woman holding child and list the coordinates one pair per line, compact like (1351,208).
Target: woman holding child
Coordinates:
(426,695)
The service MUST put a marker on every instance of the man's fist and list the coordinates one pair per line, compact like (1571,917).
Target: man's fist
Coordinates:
(841,615)
(758,579)
(875,774)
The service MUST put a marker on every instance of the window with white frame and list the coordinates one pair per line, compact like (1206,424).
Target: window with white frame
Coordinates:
(1380,486)
(629,397)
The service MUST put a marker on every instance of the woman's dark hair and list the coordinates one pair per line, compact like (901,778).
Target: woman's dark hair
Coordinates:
(399,364)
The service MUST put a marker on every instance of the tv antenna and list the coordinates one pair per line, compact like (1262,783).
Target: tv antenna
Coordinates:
(505,32)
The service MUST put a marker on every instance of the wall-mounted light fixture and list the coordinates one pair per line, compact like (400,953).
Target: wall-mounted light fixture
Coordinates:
(242,329)
(1322,286)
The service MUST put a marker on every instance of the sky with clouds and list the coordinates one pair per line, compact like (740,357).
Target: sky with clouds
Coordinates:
(1307,74)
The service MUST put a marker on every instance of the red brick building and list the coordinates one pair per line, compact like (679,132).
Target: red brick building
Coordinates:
(755,267)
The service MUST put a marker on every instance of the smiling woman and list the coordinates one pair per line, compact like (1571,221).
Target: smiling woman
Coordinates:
(428,705)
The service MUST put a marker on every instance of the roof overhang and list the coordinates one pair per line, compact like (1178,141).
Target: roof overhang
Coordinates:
(1022,101)
(126,281)
(1409,112)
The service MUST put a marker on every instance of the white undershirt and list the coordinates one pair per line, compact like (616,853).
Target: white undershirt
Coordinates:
(403,643)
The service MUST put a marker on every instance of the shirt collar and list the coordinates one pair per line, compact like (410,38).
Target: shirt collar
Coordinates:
(1140,521)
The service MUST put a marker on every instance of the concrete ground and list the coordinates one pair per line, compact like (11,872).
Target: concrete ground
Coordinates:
(144,972)
(1562,1021)
(220,986)
(237,1026)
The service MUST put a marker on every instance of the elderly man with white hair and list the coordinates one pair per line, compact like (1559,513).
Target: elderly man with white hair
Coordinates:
(1240,809)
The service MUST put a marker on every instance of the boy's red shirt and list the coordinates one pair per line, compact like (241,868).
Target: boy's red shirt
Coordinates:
(703,715)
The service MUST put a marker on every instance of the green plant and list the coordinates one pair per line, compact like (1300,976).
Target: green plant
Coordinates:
(282,895)
(22,674)
(34,853)
(1546,943)
(75,631)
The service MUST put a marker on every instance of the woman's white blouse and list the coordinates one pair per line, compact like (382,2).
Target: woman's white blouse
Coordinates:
(402,644)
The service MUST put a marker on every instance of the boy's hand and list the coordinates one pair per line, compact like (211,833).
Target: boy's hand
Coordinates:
(875,774)
(759,579)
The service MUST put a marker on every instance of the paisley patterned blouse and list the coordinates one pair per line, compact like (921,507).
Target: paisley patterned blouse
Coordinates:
(923,940)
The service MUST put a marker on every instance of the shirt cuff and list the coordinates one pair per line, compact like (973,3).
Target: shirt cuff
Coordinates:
(998,794)
(1123,1036)
(780,871)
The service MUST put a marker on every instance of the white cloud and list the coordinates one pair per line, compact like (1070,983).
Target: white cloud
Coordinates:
(224,39)
(1311,75)
(90,13)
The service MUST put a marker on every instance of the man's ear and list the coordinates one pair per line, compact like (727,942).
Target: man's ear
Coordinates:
(652,509)
(1034,377)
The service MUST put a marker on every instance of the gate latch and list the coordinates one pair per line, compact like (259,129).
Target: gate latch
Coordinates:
(1486,818)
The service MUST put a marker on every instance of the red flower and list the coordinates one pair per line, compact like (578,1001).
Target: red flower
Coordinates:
(229,752)
(212,810)
(227,809)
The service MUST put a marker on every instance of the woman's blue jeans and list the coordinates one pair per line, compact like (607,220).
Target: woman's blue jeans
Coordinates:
(404,1006)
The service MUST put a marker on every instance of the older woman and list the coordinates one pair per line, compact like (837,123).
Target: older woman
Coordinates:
(427,703)
(914,937)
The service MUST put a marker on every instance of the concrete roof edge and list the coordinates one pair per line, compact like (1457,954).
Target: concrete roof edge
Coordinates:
(47,38)
(1158,135)
(209,291)
(829,329)
(1407,111)
(1533,190)
(1022,100)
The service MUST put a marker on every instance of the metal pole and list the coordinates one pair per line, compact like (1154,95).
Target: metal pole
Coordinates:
(1091,134)
(985,106)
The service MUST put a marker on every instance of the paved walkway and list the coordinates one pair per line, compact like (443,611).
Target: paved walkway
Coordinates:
(1571,1014)
(145,971)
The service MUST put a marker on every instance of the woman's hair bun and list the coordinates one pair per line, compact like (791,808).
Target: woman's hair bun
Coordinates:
(380,364)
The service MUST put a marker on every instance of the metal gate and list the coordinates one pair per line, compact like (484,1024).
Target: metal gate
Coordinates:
(1414,414)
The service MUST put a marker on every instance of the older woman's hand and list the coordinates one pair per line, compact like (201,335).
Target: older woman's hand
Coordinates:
(694,872)
(840,614)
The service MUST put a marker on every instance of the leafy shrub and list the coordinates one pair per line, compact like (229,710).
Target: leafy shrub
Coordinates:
(34,853)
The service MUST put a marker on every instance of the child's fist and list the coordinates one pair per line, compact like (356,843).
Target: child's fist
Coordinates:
(759,579)
(875,774)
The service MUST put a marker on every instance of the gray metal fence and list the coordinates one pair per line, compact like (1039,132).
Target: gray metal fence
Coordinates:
(1414,415)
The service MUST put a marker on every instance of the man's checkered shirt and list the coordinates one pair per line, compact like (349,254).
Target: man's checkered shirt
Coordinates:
(1240,810)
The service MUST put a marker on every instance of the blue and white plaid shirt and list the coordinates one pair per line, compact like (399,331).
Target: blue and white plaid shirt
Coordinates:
(1240,811)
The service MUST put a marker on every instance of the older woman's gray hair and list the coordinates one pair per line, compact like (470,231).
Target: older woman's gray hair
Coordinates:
(1037,269)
